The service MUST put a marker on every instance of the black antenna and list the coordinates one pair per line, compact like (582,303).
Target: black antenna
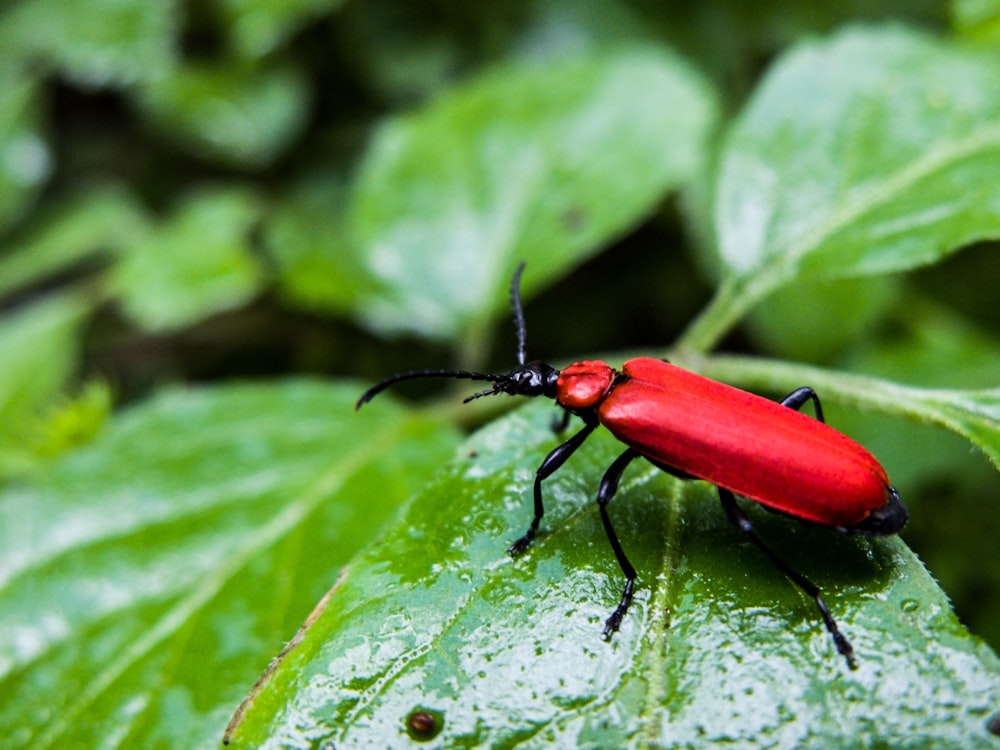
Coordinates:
(461,374)
(501,383)
(515,302)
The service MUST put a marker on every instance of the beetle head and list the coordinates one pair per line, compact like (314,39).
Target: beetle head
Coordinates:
(530,379)
(527,379)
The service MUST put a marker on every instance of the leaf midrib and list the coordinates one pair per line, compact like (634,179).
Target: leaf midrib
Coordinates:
(862,199)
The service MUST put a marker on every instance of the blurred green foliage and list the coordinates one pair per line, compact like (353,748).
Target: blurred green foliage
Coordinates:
(195,193)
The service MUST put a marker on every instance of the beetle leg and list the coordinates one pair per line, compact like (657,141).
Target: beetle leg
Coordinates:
(740,520)
(561,422)
(797,399)
(608,488)
(556,458)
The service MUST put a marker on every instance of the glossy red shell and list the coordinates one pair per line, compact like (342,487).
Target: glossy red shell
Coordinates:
(584,385)
(745,443)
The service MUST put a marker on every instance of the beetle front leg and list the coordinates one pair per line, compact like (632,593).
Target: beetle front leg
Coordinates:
(742,522)
(556,458)
(608,488)
(561,422)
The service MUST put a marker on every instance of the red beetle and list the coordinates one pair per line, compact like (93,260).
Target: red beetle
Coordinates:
(696,428)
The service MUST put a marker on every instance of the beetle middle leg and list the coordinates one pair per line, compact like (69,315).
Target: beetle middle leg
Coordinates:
(742,522)
(608,488)
(561,421)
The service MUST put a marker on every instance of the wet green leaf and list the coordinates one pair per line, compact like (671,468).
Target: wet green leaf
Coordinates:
(866,153)
(147,579)
(718,646)
(544,163)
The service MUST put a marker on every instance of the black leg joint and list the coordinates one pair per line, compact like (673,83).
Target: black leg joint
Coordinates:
(797,399)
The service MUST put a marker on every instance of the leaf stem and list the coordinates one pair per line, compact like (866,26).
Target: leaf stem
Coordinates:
(731,301)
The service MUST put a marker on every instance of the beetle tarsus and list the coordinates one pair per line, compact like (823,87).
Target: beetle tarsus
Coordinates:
(521,545)
(614,622)
(844,647)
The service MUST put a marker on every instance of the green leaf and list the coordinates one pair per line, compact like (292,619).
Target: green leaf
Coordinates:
(239,114)
(974,414)
(936,350)
(39,344)
(259,27)
(99,218)
(544,163)
(978,20)
(146,579)
(880,168)
(197,263)
(717,647)
(858,305)
(25,158)
(304,235)
(94,42)
(72,422)
(868,153)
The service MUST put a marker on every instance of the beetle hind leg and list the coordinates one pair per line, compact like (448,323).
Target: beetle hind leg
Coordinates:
(742,522)
(797,399)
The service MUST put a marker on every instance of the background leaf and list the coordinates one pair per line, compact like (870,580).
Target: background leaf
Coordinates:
(561,156)
(96,42)
(863,154)
(100,218)
(258,27)
(236,113)
(197,262)
(199,529)
(977,19)
(718,647)
(25,157)
(306,238)
(41,352)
